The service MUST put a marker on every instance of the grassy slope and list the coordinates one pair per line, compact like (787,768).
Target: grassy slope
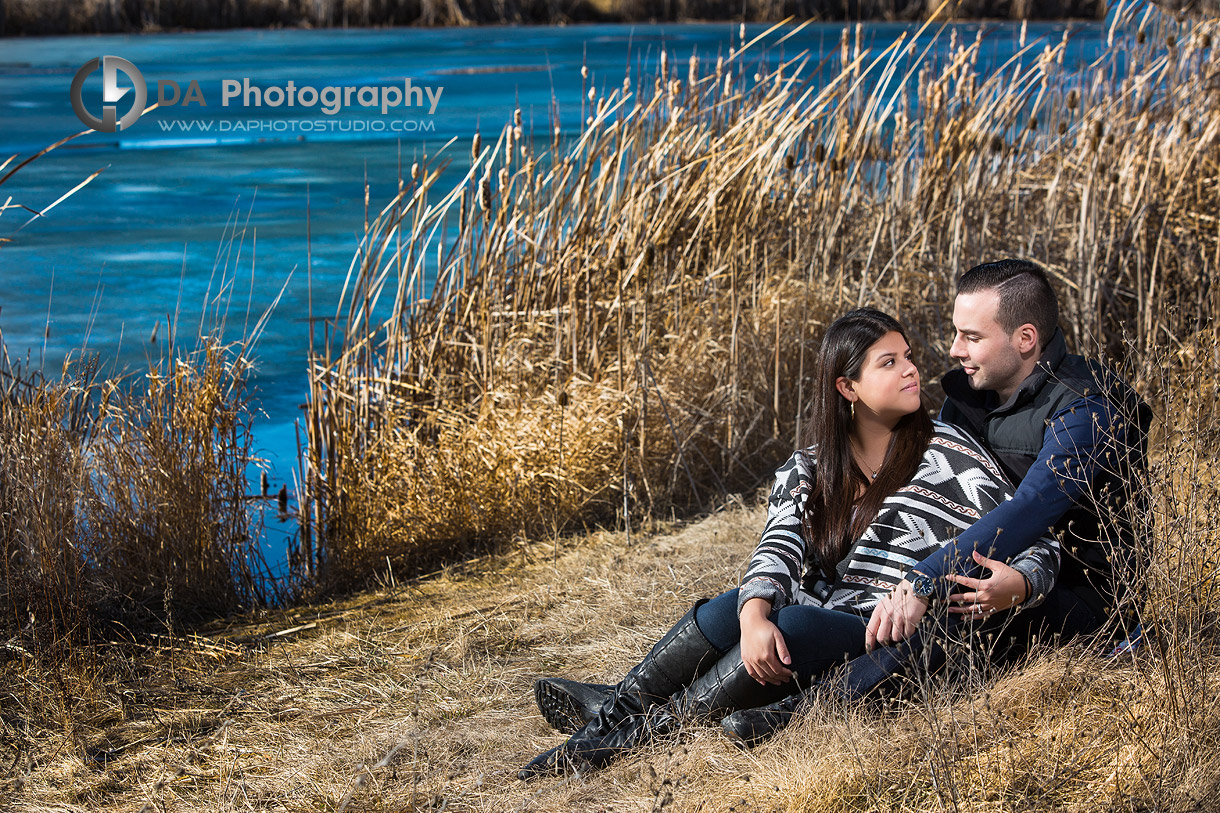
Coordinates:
(419,696)
(438,673)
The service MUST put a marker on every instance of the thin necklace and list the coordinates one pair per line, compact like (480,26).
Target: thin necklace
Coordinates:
(864,464)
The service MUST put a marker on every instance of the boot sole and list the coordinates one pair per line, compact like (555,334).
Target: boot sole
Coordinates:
(558,708)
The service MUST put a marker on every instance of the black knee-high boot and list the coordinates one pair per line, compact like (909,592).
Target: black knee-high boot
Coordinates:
(679,657)
(723,688)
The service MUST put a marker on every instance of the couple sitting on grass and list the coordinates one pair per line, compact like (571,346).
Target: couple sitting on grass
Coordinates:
(886,513)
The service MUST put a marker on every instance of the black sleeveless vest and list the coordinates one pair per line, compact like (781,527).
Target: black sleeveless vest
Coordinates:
(1099,535)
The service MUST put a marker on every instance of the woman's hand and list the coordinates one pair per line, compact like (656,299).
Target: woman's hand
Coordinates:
(895,618)
(763,649)
(1004,588)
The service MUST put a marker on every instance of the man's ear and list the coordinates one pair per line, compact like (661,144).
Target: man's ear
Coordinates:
(846,388)
(1026,338)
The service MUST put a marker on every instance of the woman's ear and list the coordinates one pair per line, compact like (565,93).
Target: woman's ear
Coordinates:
(846,388)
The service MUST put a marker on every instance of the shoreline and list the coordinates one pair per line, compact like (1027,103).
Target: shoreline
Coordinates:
(583,23)
(35,18)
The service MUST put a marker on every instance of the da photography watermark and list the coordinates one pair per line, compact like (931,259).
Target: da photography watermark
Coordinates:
(296,126)
(308,99)
(329,100)
(111,93)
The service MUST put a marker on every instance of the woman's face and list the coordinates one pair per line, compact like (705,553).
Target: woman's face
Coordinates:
(888,386)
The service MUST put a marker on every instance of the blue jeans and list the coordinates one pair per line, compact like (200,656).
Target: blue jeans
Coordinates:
(818,639)
(1063,615)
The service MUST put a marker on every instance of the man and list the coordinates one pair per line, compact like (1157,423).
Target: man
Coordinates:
(1072,436)
(1068,431)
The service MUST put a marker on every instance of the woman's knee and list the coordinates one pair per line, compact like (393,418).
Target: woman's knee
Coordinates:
(717,620)
(818,638)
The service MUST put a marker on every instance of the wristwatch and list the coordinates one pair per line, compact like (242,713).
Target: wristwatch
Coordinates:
(922,586)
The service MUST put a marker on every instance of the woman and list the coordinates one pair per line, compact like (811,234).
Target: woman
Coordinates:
(876,470)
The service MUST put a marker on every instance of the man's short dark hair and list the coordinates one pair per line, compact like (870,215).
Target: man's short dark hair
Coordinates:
(1025,293)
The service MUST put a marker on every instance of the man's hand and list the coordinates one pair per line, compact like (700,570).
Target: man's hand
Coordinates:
(1004,588)
(895,617)
(763,649)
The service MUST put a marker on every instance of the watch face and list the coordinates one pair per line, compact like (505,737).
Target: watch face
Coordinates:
(922,586)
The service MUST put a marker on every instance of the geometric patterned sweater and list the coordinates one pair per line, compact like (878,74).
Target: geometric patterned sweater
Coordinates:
(957,483)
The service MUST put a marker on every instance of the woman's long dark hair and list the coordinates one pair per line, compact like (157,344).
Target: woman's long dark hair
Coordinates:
(828,523)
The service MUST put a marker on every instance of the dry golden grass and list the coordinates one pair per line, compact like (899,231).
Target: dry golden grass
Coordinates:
(437,671)
(417,696)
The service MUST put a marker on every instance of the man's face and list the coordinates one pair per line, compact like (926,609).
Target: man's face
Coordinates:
(987,352)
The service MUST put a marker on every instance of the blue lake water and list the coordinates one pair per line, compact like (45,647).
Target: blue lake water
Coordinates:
(150,236)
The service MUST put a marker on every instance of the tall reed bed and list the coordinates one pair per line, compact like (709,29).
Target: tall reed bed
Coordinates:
(622,318)
(125,494)
(124,505)
(123,515)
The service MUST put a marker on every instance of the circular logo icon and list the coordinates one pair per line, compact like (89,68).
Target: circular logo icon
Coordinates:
(110,122)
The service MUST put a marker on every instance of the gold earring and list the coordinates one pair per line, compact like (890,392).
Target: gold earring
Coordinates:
(853,410)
